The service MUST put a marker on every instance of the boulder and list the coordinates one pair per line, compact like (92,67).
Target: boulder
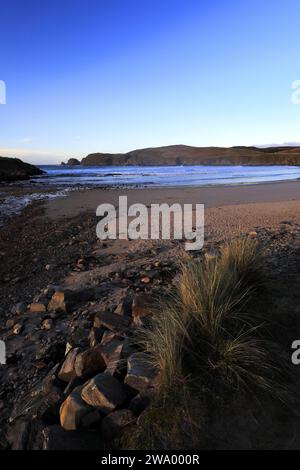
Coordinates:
(113,424)
(67,370)
(75,413)
(89,362)
(112,321)
(104,392)
(140,373)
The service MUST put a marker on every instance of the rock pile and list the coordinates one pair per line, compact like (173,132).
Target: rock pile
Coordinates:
(97,389)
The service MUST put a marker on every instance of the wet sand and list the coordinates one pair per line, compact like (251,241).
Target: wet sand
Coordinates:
(82,201)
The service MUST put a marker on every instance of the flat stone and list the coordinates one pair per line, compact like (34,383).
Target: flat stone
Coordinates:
(104,392)
(112,321)
(113,424)
(140,374)
(37,307)
(67,371)
(75,413)
(89,362)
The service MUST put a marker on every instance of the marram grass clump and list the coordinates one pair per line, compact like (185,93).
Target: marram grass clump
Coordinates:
(202,336)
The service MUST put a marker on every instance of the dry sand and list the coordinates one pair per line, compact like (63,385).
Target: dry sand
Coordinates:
(229,210)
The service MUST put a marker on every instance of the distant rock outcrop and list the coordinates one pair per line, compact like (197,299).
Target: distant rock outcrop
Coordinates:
(12,169)
(73,161)
(185,155)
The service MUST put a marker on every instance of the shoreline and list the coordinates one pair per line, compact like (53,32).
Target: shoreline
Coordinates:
(77,202)
(69,201)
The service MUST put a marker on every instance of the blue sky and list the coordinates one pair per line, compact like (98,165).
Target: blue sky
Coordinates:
(112,76)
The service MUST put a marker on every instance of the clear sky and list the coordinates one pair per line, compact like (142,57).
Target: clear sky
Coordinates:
(115,75)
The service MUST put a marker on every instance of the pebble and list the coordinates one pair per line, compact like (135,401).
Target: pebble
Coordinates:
(17,328)
(47,324)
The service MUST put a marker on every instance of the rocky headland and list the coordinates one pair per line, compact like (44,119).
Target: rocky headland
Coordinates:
(186,155)
(14,169)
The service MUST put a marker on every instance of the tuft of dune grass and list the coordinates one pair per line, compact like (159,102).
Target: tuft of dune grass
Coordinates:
(202,333)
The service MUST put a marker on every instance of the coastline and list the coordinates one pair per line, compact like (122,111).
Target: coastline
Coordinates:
(53,245)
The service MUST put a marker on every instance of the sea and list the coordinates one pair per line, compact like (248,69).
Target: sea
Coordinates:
(59,180)
(158,176)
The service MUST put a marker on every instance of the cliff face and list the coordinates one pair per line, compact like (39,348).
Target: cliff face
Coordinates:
(184,155)
(12,169)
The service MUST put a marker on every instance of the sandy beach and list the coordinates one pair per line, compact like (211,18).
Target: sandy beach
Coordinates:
(214,196)
(29,241)
(52,245)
